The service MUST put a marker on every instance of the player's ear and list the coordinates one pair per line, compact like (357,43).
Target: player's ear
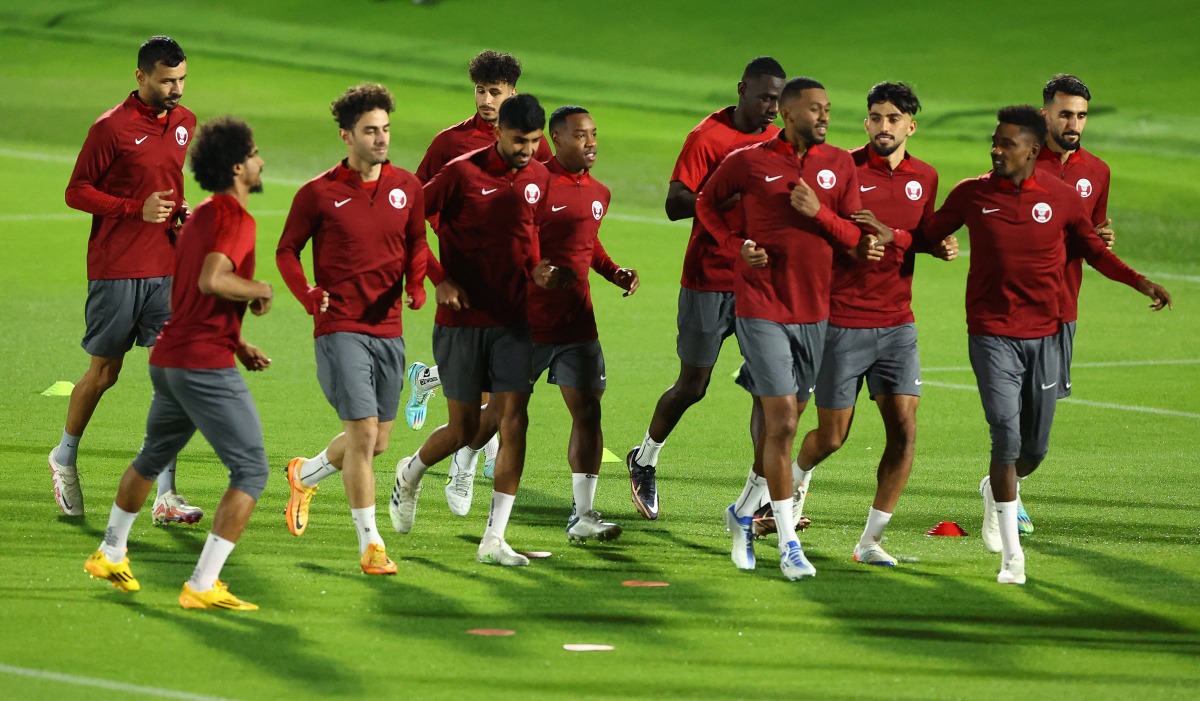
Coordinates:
(344,135)
(912,127)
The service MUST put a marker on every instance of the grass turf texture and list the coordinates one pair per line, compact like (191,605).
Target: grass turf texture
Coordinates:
(1112,604)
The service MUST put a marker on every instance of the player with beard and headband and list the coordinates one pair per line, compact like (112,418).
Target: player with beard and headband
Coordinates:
(196,382)
(872,337)
(487,202)
(1023,225)
(801,203)
(129,177)
(1065,106)
(366,220)
(706,314)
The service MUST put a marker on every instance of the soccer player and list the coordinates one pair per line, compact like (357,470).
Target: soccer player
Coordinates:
(196,383)
(1065,107)
(1023,225)
(871,336)
(798,193)
(705,316)
(487,201)
(366,220)
(562,322)
(129,177)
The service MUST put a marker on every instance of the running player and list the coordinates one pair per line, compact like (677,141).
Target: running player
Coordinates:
(487,201)
(366,220)
(129,177)
(196,383)
(1022,229)
(706,315)
(798,193)
(562,322)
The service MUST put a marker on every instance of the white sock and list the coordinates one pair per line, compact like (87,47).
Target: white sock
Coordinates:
(67,451)
(166,479)
(415,469)
(751,497)
(491,449)
(1010,540)
(464,459)
(498,516)
(784,525)
(212,559)
(116,536)
(316,469)
(583,487)
(647,455)
(428,379)
(800,478)
(364,523)
(876,522)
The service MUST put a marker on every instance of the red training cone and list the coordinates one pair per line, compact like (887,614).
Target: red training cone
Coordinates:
(947,528)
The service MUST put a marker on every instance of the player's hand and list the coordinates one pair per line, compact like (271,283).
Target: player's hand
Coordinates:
(262,305)
(316,301)
(1105,232)
(627,279)
(946,249)
(449,294)
(868,250)
(552,277)
(754,255)
(804,200)
(182,215)
(882,232)
(156,209)
(414,297)
(252,358)
(1159,297)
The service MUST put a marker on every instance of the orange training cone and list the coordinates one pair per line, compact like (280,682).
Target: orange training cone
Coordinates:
(947,528)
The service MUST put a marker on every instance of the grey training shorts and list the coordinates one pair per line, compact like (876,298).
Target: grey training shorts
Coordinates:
(474,360)
(1066,351)
(780,359)
(578,365)
(1018,380)
(218,403)
(119,313)
(361,375)
(886,358)
(705,320)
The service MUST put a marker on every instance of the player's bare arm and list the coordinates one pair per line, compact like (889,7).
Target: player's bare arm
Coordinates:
(218,279)
(681,202)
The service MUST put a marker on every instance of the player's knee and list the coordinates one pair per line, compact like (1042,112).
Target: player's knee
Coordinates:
(105,374)
(1032,457)
(903,436)
(514,423)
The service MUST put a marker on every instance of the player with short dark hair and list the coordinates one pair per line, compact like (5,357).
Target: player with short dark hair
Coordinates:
(871,337)
(801,202)
(196,382)
(562,321)
(366,220)
(1023,225)
(129,177)
(488,202)
(706,316)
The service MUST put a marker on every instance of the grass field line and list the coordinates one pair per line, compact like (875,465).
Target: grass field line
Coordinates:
(1085,402)
(98,683)
(1102,364)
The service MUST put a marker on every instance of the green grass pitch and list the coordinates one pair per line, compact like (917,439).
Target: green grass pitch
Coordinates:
(1112,608)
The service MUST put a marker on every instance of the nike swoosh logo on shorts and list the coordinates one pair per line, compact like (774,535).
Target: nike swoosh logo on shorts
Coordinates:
(339,204)
(863,188)
(557,209)
(139,141)
(603,378)
(1068,385)
(488,192)
(918,382)
(812,389)
(1050,385)
(989,211)
(772,178)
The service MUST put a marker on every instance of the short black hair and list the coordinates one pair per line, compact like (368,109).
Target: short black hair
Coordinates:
(159,49)
(559,116)
(1025,116)
(899,94)
(494,67)
(763,65)
(359,100)
(522,112)
(1067,84)
(795,86)
(219,145)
